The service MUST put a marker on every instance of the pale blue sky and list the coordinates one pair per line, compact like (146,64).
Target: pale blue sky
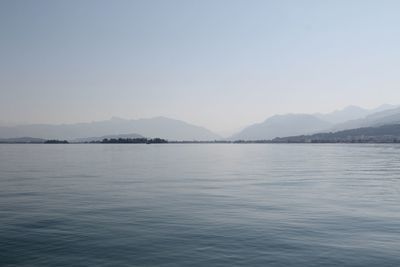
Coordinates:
(218,64)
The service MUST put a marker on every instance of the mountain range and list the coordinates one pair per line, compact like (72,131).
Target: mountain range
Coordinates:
(151,128)
(299,124)
(391,116)
(276,126)
(351,113)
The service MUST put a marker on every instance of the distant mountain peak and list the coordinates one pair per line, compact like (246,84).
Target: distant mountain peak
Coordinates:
(350,107)
(347,113)
(282,125)
(384,107)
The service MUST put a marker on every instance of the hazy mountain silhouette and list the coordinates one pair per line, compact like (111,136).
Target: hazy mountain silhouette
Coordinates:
(351,113)
(298,124)
(350,117)
(154,127)
(345,114)
(282,125)
(391,116)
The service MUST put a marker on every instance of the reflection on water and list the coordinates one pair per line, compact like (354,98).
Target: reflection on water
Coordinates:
(200,205)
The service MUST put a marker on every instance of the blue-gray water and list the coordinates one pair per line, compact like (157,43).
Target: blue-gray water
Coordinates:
(200,205)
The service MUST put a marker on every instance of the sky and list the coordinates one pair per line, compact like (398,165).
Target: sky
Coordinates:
(221,64)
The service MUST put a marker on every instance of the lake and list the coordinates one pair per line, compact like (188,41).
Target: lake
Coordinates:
(200,205)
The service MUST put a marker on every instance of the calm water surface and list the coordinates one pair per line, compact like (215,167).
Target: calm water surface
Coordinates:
(200,205)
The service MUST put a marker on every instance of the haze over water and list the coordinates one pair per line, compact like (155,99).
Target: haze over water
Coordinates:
(200,205)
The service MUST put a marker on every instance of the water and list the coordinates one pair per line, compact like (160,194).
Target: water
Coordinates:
(200,205)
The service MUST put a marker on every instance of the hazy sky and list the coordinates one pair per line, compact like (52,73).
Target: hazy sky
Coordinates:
(218,64)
